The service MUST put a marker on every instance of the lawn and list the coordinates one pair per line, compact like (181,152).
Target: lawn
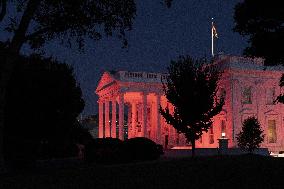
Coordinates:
(203,172)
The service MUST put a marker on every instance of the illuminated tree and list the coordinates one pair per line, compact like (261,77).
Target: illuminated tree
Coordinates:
(191,88)
(251,135)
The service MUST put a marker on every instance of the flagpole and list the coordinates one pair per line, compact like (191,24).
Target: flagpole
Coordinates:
(212,39)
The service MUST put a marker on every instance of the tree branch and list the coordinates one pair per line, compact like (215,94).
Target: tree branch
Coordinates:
(3,4)
(20,33)
(36,33)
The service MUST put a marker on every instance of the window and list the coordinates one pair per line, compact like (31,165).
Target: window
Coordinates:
(177,139)
(272,137)
(270,96)
(247,95)
(211,135)
(200,139)
(223,126)
(222,93)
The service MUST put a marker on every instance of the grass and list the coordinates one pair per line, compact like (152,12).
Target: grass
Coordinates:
(210,172)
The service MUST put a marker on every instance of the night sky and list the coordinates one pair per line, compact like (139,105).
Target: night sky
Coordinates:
(159,35)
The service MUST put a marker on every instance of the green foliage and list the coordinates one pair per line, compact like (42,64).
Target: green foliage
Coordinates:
(251,135)
(69,20)
(43,102)
(263,23)
(191,88)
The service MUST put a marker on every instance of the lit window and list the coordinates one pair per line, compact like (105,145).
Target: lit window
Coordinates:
(200,139)
(247,95)
(211,136)
(272,137)
(270,96)
(223,126)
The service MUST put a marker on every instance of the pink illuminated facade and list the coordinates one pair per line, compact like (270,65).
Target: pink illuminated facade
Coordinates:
(249,89)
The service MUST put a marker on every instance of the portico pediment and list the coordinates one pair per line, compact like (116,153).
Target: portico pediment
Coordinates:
(271,112)
(105,81)
(246,111)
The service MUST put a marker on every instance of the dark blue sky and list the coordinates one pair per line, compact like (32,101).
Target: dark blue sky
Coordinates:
(158,36)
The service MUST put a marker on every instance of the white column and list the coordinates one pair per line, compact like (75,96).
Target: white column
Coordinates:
(113,117)
(129,120)
(121,117)
(158,132)
(172,129)
(107,124)
(134,115)
(144,115)
(101,120)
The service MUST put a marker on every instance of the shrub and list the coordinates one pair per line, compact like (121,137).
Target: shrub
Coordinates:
(42,104)
(103,150)
(251,135)
(140,148)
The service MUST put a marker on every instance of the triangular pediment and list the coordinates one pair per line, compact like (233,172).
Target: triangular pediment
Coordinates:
(246,111)
(271,112)
(105,80)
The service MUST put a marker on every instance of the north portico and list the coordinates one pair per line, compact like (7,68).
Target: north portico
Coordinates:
(135,94)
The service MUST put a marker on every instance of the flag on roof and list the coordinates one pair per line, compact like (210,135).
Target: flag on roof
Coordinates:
(214,31)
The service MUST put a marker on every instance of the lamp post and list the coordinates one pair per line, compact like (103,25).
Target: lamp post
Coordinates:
(223,144)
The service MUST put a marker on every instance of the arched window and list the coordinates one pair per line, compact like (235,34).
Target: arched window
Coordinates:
(270,96)
(223,127)
(247,95)
(222,93)
(211,135)
(271,131)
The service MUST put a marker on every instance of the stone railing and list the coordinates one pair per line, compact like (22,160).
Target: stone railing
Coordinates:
(239,59)
(141,76)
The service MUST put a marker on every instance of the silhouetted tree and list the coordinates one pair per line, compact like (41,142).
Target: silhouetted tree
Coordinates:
(263,23)
(168,3)
(43,103)
(37,21)
(251,135)
(191,88)
(280,98)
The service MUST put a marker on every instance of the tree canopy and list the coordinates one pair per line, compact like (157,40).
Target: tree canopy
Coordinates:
(38,21)
(263,23)
(191,87)
(43,103)
(251,135)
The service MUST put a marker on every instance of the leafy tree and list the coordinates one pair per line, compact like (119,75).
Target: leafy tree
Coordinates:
(191,88)
(251,135)
(43,103)
(38,21)
(263,23)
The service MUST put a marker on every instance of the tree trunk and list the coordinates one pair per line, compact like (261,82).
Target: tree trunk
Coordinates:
(9,63)
(2,97)
(193,148)
(6,72)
